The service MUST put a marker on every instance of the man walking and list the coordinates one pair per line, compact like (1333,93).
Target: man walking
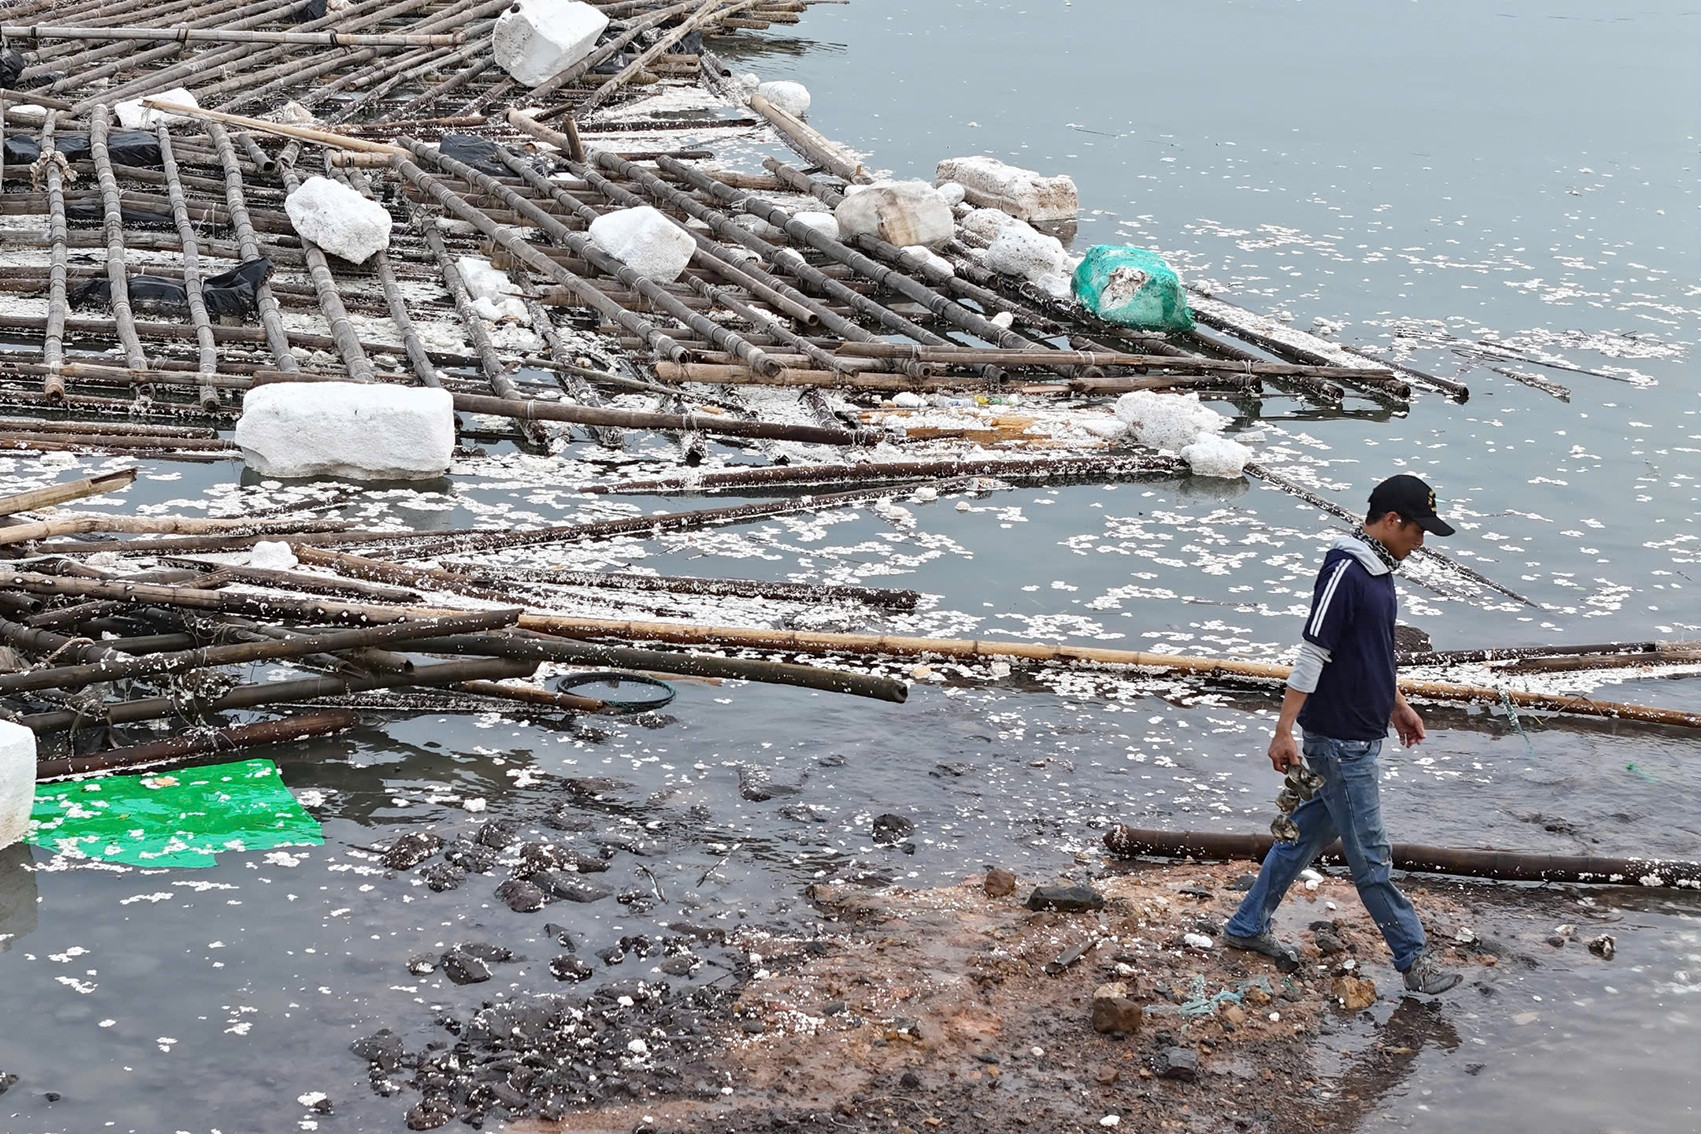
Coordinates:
(1343,694)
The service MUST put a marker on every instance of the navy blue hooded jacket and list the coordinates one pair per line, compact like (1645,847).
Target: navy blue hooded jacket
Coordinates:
(1351,631)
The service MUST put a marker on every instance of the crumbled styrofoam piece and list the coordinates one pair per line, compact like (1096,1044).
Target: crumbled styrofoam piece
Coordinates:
(644,240)
(17,781)
(1212,455)
(1196,940)
(292,113)
(932,259)
(358,430)
(756,226)
(497,310)
(898,212)
(990,183)
(926,494)
(338,219)
(1100,425)
(908,399)
(987,223)
(483,279)
(132,115)
(1057,285)
(1020,250)
(953,192)
(272,555)
(455,225)
(793,98)
(535,40)
(1167,421)
(1003,319)
(819,221)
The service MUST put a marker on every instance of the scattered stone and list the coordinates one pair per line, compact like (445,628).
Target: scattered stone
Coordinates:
(357,430)
(1328,943)
(990,183)
(758,784)
(889,828)
(537,39)
(470,856)
(497,834)
(464,968)
(1113,1011)
(569,967)
(383,1047)
(1066,899)
(611,956)
(1353,994)
(911,1078)
(430,1113)
(833,1008)
(1232,1015)
(999,883)
(1604,946)
(573,888)
(441,876)
(338,219)
(1177,1063)
(1199,892)
(678,966)
(411,849)
(645,240)
(1107,1076)
(898,212)
(522,896)
(1243,883)
(558,935)
(1557,941)
(793,98)
(422,965)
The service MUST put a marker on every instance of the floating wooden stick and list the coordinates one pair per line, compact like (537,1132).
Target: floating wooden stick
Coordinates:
(162,525)
(61,493)
(198,745)
(1504,866)
(182,34)
(1022,471)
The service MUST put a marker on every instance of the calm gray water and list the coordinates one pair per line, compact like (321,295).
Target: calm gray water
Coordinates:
(1430,175)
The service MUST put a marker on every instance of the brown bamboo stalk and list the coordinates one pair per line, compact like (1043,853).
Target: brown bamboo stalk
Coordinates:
(708,12)
(61,493)
(235,201)
(529,409)
(161,525)
(810,143)
(962,356)
(1022,471)
(330,303)
(812,593)
(198,746)
(571,381)
(182,34)
(208,358)
(58,308)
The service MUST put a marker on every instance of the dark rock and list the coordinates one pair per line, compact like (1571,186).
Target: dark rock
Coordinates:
(470,856)
(382,1047)
(324,1106)
(759,785)
(833,1007)
(441,876)
(484,951)
(889,828)
(1243,883)
(612,955)
(1113,1011)
(462,968)
(1327,943)
(522,896)
(678,966)
(831,760)
(7,1078)
(1176,1063)
(753,1027)
(594,786)
(562,884)
(999,883)
(1195,892)
(1066,899)
(804,813)
(559,935)
(637,898)
(496,834)
(1557,941)
(421,965)
(52,1096)
(568,818)
(569,967)
(1411,640)
(430,1113)
(954,768)
(411,849)
(543,856)
(910,1078)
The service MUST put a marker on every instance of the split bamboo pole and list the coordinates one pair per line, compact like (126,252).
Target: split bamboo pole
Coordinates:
(708,13)
(181,34)
(1023,471)
(1501,865)
(62,493)
(208,358)
(419,359)
(235,201)
(570,381)
(160,525)
(54,169)
(810,143)
(961,356)
(197,746)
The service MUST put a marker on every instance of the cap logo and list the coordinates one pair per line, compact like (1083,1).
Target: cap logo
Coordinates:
(1432,500)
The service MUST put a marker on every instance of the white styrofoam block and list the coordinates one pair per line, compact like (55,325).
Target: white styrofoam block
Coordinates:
(987,223)
(1019,250)
(1167,421)
(17,781)
(820,222)
(535,40)
(793,98)
(1211,455)
(990,183)
(484,280)
(898,212)
(358,430)
(272,555)
(644,240)
(338,219)
(931,258)
(953,193)
(132,115)
(908,399)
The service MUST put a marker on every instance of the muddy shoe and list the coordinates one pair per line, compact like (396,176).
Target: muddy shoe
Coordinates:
(1285,956)
(1427,976)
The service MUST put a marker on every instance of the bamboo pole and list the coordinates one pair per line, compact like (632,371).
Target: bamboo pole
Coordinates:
(279,692)
(604,51)
(161,525)
(1025,470)
(709,12)
(572,382)
(960,356)
(181,34)
(281,129)
(179,661)
(819,642)
(236,203)
(809,593)
(1510,653)
(810,142)
(62,493)
(533,410)
(58,309)
(207,358)
(330,303)
(1501,865)
(198,746)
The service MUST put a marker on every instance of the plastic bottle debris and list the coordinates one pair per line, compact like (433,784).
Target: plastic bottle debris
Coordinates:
(1132,287)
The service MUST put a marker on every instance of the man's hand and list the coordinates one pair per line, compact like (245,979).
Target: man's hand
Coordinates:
(1407,725)
(1284,753)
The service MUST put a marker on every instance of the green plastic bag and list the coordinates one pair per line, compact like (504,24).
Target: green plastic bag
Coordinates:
(179,818)
(1132,287)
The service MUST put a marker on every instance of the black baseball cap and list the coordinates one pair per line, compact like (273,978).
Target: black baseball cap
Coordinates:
(1412,499)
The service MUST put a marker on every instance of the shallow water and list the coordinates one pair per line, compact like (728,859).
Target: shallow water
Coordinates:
(1525,177)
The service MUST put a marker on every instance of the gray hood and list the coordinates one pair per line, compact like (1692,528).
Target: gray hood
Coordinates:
(1361,551)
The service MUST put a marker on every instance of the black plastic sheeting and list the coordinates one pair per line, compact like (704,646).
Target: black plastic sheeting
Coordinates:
(480,153)
(125,147)
(12,64)
(312,10)
(232,293)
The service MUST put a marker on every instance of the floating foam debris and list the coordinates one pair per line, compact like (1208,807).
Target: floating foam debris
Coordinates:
(1167,421)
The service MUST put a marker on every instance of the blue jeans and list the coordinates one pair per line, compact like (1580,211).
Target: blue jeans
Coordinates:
(1348,805)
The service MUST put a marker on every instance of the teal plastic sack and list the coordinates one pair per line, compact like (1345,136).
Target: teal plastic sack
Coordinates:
(177,818)
(1132,287)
